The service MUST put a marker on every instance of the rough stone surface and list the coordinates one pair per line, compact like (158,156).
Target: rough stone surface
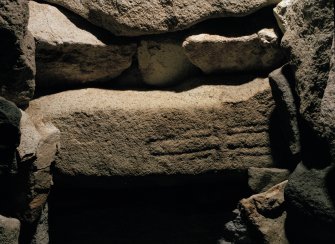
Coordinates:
(162,61)
(265,212)
(68,51)
(41,235)
(39,141)
(38,147)
(9,230)
(131,18)
(328,105)
(30,138)
(259,219)
(280,12)
(211,127)
(214,53)
(236,230)
(308,38)
(17,53)
(10,117)
(262,179)
(282,84)
(310,197)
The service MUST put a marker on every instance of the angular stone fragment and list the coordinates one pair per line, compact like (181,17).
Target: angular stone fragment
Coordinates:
(214,53)
(17,53)
(280,12)
(110,132)
(38,147)
(68,51)
(9,230)
(141,17)
(163,62)
(259,219)
(265,212)
(29,140)
(282,84)
(39,141)
(262,179)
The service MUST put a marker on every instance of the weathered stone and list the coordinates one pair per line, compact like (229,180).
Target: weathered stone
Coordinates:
(262,179)
(308,38)
(163,62)
(10,117)
(17,53)
(9,230)
(282,84)
(280,12)
(214,53)
(259,218)
(236,230)
(41,235)
(37,150)
(30,138)
(39,141)
(110,132)
(132,18)
(310,197)
(328,105)
(265,212)
(68,51)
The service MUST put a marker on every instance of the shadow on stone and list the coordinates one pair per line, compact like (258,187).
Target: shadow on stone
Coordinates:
(330,184)
(191,212)
(315,151)
(280,149)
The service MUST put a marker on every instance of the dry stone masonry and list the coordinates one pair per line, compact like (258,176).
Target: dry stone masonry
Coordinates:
(208,102)
(213,127)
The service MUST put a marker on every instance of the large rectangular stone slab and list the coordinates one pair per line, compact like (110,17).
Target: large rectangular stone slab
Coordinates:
(131,133)
(142,17)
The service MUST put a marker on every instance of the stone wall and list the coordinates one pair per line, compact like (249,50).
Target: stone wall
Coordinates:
(164,94)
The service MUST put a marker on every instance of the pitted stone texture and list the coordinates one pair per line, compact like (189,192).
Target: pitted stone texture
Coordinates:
(9,230)
(211,127)
(214,53)
(17,53)
(162,61)
(68,52)
(141,17)
(308,38)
